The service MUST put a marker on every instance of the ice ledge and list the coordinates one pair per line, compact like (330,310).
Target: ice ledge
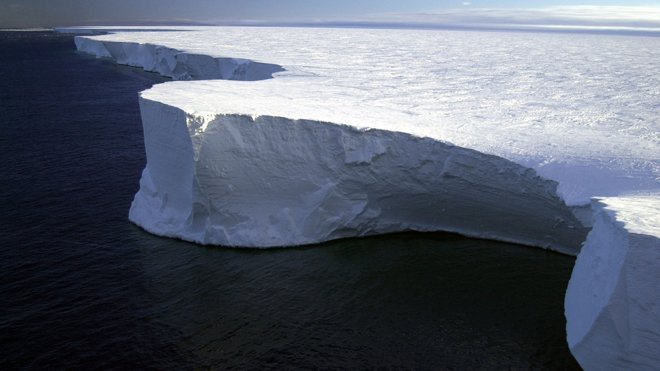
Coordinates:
(613,301)
(174,63)
(248,174)
(237,180)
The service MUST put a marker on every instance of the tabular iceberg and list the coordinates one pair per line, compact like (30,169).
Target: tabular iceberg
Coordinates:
(344,143)
(241,180)
(237,164)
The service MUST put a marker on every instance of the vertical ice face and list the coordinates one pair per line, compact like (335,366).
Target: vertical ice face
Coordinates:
(613,297)
(278,181)
(176,64)
(232,179)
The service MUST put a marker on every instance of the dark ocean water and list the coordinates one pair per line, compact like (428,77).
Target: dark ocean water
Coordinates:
(81,287)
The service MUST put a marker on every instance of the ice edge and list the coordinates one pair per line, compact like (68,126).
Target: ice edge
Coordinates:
(176,64)
(510,216)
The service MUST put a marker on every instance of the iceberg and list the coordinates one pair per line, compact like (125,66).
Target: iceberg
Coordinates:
(237,164)
(251,178)
(613,300)
(432,130)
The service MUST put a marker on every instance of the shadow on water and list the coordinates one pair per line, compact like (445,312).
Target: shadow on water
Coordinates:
(403,300)
(82,287)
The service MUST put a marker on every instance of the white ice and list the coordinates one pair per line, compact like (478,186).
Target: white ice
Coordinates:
(352,136)
(243,175)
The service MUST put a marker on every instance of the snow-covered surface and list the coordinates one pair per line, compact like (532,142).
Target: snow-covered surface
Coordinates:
(613,297)
(580,109)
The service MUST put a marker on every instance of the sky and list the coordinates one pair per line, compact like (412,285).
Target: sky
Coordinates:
(53,13)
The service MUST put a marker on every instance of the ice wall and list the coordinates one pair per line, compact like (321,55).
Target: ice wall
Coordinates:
(176,64)
(234,179)
(238,180)
(613,298)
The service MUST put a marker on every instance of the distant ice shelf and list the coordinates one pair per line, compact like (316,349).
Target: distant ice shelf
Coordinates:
(176,64)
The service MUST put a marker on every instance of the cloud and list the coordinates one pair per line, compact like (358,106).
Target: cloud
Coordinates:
(588,16)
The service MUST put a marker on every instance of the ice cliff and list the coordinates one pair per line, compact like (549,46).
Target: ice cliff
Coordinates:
(342,143)
(247,174)
(613,298)
(241,180)
(176,64)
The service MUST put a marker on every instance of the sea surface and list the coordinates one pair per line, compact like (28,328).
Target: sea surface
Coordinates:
(82,288)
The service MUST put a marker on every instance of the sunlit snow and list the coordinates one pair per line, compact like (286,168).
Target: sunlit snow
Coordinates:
(581,109)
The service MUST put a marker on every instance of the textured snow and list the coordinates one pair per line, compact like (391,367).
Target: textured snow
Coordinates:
(613,300)
(580,109)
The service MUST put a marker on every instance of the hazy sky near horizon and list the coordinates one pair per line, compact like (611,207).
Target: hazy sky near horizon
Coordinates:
(50,13)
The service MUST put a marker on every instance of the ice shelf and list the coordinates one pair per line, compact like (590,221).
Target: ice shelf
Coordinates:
(431,130)
(253,179)
(265,164)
